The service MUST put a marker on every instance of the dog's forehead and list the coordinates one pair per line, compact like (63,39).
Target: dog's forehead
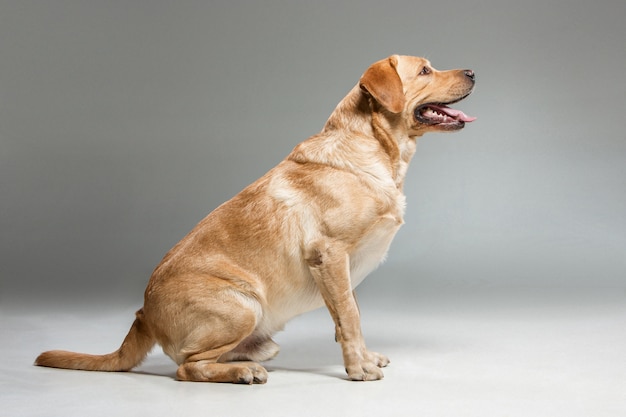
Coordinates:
(411,65)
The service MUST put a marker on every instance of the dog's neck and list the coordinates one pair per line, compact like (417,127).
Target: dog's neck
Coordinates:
(366,129)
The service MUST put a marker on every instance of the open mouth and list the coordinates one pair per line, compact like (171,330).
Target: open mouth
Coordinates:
(441,114)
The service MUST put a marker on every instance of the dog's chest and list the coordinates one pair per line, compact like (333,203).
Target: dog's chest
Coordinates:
(362,213)
(372,248)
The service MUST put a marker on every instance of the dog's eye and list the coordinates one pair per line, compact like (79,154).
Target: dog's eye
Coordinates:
(425,71)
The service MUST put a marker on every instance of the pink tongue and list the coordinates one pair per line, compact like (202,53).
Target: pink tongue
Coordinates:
(457,114)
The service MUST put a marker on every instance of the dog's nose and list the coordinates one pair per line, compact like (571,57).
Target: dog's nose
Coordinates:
(469,74)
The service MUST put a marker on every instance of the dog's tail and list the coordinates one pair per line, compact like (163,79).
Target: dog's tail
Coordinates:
(138,342)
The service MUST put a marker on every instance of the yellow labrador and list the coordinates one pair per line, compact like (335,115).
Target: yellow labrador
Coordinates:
(303,235)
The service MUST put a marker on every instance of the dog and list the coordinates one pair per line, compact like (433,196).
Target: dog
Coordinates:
(303,235)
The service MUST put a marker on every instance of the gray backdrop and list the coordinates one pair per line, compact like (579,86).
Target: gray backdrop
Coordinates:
(123,123)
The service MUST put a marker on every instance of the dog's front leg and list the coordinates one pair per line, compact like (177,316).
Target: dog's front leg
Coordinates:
(330,266)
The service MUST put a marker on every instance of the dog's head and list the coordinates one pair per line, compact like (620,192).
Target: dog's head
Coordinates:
(410,86)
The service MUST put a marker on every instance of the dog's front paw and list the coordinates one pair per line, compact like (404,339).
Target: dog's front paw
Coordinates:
(379,359)
(368,368)
(364,371)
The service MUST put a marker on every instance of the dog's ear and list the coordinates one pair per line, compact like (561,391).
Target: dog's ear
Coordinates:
(382,82)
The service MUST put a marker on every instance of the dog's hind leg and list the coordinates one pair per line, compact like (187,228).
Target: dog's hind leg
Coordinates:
(254,348)
(234,372)
(199,327)
(209,363)
(207,351)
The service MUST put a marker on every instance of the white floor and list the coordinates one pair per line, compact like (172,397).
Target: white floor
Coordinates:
(482,353)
